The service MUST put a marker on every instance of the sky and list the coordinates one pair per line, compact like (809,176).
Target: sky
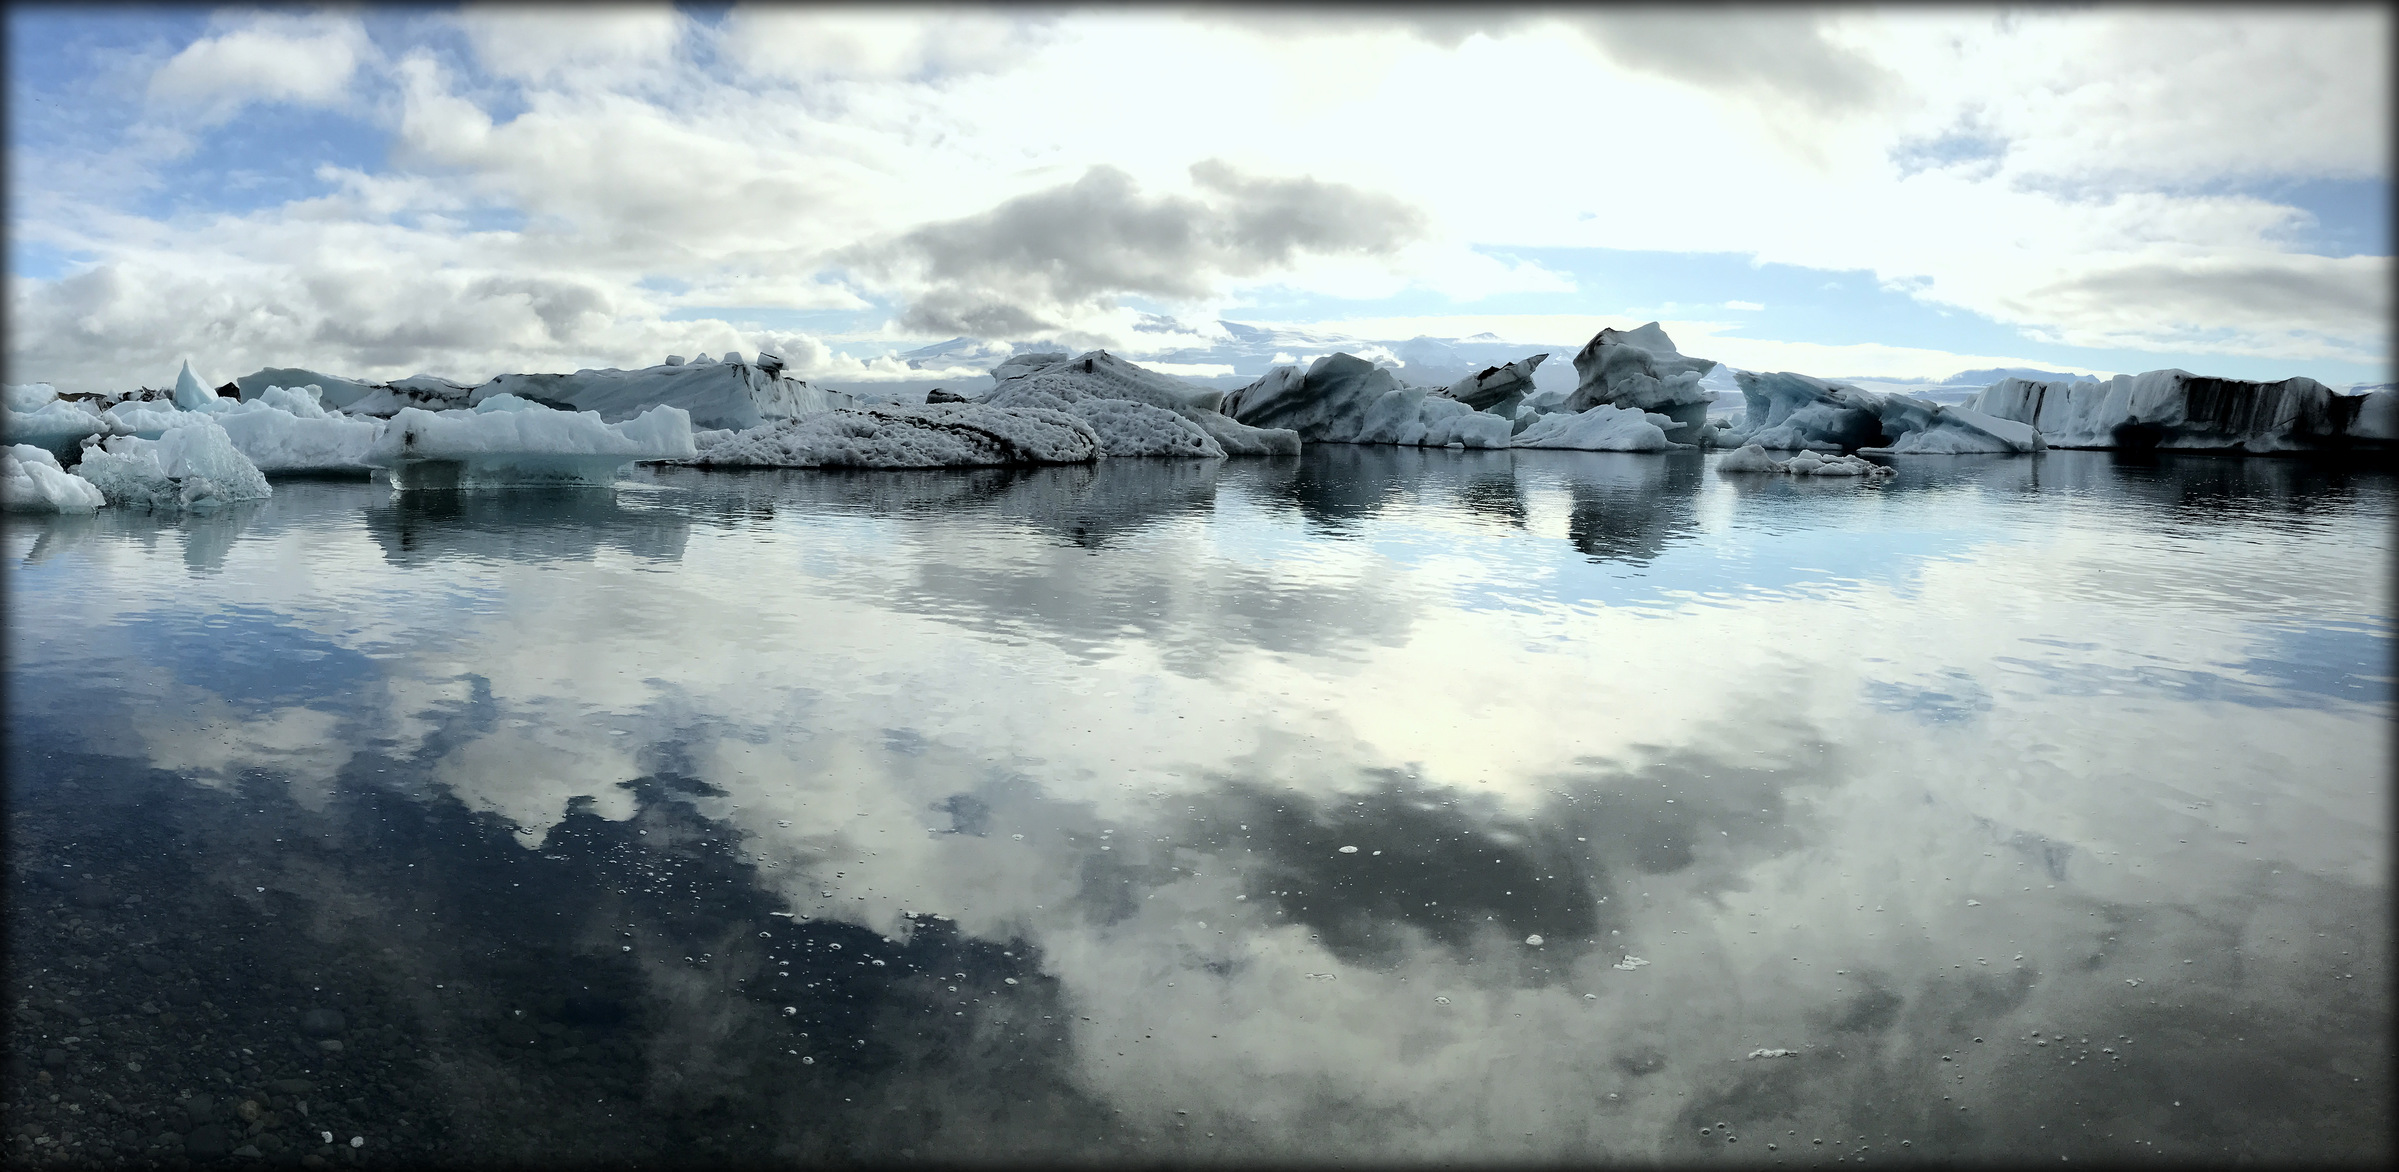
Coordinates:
(1896,193)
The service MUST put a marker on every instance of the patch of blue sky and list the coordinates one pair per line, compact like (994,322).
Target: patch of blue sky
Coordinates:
(2345,217)
(266,157)
(43,262)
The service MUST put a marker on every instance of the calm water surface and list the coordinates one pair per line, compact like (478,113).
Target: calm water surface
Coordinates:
(1377,804)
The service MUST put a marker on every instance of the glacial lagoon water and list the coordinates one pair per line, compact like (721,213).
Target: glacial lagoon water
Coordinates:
(1378,804)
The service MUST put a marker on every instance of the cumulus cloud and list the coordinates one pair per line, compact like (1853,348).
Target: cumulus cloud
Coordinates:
(875,43)
(1030,262)
(1775,56)
(530,43)
(271,58)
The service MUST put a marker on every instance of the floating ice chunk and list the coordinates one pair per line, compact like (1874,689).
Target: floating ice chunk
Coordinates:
(1788,411)
(333,391)
(35,415)
(1125,428)
(1345,399)
(30,396)
(1601,429)
(194,466)
(287,430)
(2176,409)
(1023,379)
(1349,850)
(729,394)
(1534,940)
(32,481)
(1641,369)
(1773,1053)
(1748,458)
(1499,390)
(1629,963)
(944,435)
(532,444)
(192,395)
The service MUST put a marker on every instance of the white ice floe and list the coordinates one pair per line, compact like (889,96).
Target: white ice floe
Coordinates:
(34,414)
(1600,429)
(2175,409)
(1774,1053)
(508,439)
(1345,399)
(1753,458)
(1053,381)
(1788,412)
(195,466)
(939,435)
(1629,963)
(32,481)
(287,430)
(730,394)
(1640,369)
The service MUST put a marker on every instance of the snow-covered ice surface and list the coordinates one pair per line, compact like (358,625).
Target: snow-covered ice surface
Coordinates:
(941,435)
(510,440)
(32,481)
(1083,383)
(2177,410)
(1344,399)
(1789,411)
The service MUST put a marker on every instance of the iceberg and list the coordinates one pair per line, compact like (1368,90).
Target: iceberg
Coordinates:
(2178,410)
(508,439)
(32,481)
(1788,411)
(1753,458)
(194,466)
(334,392)
(1499,390)
(193,395)
(286,430)
(729,394)
(1601,429)
(1641,369)
(34,414)
(1345,399)
(1052,381)
(943,435)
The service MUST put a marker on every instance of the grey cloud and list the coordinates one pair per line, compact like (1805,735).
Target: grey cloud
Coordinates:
(1777,55)
(1075,245)
(2300,292)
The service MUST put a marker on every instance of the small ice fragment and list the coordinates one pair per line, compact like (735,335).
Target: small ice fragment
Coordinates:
(806,1060)
(1440,1000)
(1974,903)
(1772,1053)
(1630,962)
(1534,939)
(358,1141)
(1008,980)
(791,1011)
(1590,996)
(1017,837)
(1349,850)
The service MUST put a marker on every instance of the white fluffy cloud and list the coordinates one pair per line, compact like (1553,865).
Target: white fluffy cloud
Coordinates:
(272,58)
(2062,172)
